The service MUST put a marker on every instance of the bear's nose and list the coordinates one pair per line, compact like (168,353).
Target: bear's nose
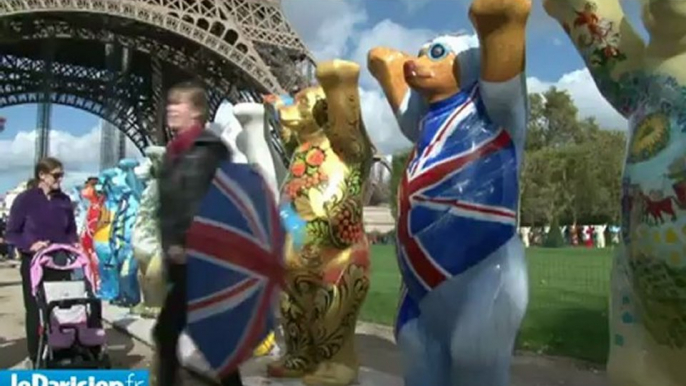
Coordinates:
(410,67)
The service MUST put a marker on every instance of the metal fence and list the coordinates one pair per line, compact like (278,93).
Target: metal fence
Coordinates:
(568,302)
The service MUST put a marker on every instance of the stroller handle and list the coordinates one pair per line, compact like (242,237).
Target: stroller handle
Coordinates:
(42,257)
(57,247)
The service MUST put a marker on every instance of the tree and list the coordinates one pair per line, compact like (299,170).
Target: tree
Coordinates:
(562,126)
(572,167)
(607,150)
(535,135)
(552,120)
(544,181)
(575,183)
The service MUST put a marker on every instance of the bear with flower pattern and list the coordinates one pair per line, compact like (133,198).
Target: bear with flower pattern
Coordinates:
(327,252)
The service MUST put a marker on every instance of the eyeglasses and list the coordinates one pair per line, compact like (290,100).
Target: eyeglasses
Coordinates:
(57,175)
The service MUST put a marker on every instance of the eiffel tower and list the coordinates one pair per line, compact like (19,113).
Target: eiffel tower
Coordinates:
(116,58)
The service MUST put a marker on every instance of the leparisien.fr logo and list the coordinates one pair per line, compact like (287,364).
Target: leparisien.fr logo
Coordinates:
(75,378)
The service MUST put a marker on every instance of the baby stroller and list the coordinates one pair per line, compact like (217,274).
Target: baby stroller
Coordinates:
(71,333)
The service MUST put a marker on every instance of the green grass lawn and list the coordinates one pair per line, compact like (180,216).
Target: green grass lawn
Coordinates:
(568,302)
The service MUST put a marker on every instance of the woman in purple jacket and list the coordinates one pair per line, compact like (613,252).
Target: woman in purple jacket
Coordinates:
(40,216)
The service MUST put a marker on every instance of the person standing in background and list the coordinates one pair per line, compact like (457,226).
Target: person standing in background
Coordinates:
(40,216)
(192,159)
(4,246)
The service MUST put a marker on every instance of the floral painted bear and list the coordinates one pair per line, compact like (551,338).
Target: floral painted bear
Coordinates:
(327,252)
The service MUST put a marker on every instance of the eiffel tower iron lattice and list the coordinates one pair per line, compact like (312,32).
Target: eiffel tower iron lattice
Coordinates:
(238,48)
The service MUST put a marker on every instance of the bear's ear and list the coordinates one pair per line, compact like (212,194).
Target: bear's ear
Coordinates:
(410,112)
(467,67)
(457,72)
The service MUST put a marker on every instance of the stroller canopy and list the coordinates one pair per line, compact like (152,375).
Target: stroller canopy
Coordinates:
(46,259)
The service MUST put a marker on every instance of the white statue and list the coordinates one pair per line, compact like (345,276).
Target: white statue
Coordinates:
(228,128)
(12,194)
(599,231)
(614,234)
(524,232)
(253,141)
(243,130)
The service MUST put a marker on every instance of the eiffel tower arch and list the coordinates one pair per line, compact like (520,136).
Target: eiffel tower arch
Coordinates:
(61,52)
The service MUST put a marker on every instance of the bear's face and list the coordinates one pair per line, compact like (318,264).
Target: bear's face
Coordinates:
(665,19)
(432,73)
(155,155)
(302,116)
(89,194)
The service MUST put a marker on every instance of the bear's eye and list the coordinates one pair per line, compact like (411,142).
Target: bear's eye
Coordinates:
(437,51)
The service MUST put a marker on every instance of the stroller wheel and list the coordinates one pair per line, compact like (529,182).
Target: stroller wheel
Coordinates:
(105,361)
(29,364)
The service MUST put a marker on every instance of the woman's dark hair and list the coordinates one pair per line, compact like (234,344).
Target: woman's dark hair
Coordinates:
(45,165)
(195,93)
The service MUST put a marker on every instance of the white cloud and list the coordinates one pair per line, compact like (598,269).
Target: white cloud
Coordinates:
(586,96)
(80,155)
(381,124)
(326,26)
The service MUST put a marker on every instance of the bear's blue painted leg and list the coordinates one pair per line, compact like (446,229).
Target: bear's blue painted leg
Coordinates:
(483,338)
(425,360)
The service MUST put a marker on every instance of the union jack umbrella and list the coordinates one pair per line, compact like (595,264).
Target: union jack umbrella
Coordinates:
(235,267)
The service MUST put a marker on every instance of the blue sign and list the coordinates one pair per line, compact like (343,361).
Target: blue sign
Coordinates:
(75,378)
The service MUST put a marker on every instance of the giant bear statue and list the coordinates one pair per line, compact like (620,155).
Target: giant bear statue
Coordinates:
(146,238)
(94,202)
(129,189)
(253,142)
(80,207)
(463,103)
(327,252)
(645,81)
(108,267)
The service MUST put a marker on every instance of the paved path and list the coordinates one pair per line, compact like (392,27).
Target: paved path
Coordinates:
(126,352)
(378,353)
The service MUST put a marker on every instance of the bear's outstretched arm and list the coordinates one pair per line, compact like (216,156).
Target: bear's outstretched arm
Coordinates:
(386,66)
(501,27)
(344,129)
(605,39)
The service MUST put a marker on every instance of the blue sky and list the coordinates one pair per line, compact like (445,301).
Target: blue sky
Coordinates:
(337,28)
